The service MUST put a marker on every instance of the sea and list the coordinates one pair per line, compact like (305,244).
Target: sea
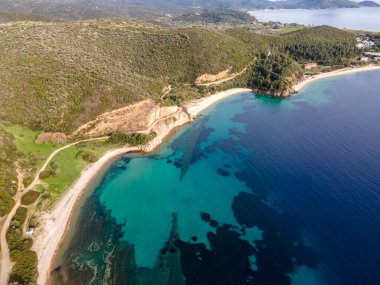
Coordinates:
(365,18)
(255,191)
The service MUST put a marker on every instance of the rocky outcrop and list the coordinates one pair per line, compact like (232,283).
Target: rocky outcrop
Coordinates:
(164,127)
(280,94)
(140,117)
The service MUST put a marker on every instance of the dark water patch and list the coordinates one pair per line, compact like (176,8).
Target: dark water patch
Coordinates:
(178,163)
(226,145)
(281,249)
(190,144)
(222,172)
(215,265)
(205,217)
(116,169)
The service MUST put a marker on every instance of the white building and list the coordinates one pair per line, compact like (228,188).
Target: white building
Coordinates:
(364,43)
(364,58)
(372,53)
(359,45)
(29,231)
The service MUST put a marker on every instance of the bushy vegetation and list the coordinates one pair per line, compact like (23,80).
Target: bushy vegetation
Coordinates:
(133,139)
(88,156)
(274,73)
(24,270)
(324,45)
(8,175)
(30,197)
(84,68)
(81,69)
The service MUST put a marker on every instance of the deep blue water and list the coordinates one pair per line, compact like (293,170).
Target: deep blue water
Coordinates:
(256,191)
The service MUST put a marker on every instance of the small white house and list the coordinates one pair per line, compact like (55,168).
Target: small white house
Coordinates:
(364,58)
(29,231)
(360,45)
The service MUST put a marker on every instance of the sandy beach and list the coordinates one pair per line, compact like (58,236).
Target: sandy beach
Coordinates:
(338,72)
(53,224)
(194,108)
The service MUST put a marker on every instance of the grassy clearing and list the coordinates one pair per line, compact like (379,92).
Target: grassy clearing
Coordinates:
(69,163)
(285,29)
(34,154)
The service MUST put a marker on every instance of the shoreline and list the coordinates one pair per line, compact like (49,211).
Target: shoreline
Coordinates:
(344,71)
(54,223)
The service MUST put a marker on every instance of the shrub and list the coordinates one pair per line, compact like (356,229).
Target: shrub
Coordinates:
(30,197)
(25,269)
(133,139)
(45,174)
(89,156)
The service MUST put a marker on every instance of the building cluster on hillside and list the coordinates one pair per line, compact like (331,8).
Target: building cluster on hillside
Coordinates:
(371,55)
(367,43)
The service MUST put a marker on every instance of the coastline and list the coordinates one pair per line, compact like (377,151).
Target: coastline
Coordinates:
(54,223)
(196,107)
(334,73)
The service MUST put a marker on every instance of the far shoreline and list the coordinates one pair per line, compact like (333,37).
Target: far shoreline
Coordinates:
(344,71)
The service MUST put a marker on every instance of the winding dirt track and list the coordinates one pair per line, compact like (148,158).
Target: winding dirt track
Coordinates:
(232,76)
(5,260)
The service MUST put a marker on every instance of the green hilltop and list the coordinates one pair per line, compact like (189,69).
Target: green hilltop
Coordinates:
(55,76)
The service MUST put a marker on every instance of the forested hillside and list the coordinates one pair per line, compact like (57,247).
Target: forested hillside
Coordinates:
(8,176)
(325,45)
(275,73)
(55,76)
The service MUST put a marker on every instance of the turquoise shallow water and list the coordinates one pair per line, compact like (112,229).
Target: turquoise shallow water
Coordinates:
(256,191)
